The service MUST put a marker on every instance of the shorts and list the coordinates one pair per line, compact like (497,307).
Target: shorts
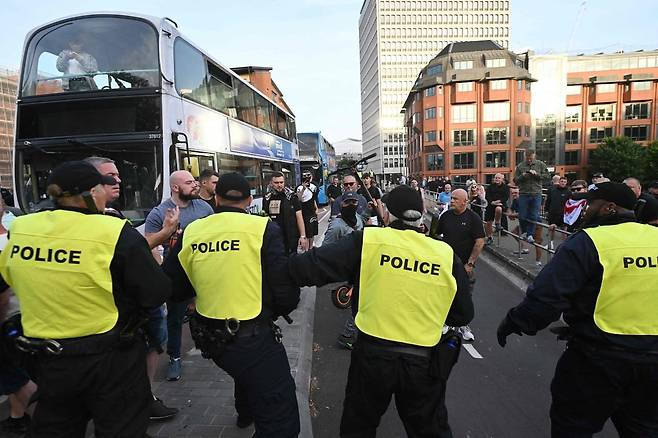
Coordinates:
(557,219)
(12,379)
(311,226)
(490,212)
(156,330)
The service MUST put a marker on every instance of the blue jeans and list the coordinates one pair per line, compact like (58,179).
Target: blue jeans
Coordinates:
(175,315)
(529,206)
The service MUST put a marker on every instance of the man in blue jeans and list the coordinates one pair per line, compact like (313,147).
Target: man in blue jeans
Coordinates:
(529,176)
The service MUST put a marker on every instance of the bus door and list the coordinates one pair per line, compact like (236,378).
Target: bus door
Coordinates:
(197,163)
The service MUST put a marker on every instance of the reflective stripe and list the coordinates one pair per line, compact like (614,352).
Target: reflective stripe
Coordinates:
(406,286)
(627,303)
(221,255)
(58,264)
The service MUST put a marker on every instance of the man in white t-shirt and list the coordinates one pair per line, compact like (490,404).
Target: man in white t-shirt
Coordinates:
(307,192)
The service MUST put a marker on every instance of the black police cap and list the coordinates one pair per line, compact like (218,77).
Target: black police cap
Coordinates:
(618,193)
(233,186)
(76,177)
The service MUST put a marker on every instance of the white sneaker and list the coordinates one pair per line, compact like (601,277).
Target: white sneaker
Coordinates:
(530,239)
(446,329)
(538,264)
(466,333)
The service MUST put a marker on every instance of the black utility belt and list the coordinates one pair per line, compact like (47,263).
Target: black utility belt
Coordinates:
(587,346)
(88,345)
(413,350)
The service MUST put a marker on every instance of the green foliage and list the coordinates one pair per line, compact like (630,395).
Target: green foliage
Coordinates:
(651,169)
(620,157)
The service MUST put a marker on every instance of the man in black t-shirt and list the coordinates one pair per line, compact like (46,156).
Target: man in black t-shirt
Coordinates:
(334,190)
(283,207)
(462,229)
(375,207)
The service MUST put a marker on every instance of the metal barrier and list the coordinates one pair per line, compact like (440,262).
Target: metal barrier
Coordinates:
(549,248)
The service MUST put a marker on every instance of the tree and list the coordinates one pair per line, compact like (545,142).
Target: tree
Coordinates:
(620,157)
(651,168)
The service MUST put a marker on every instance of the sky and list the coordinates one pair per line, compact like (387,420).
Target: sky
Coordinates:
(313,45)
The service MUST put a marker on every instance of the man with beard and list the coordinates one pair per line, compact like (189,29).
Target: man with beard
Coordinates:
(602,282)
(284,208)
(163,226)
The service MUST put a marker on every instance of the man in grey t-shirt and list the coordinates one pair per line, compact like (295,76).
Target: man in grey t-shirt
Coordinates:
(163,226)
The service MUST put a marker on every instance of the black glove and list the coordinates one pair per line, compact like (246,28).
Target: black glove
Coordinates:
(506,328)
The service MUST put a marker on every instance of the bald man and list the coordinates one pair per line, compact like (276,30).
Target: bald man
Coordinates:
(462,229)
(163,226)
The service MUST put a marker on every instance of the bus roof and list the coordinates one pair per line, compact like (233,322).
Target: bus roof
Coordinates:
(159,23)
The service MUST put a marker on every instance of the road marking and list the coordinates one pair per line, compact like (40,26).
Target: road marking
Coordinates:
(325,215)
(472,351)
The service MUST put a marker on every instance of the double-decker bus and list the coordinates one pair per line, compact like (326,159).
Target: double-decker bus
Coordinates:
(317,156)
(132,88)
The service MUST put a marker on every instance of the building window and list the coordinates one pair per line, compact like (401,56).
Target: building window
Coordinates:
(572,136)
(600,113)
(434,162)
(463,161)
(527,108)
(431,91)
(495,136)
(526,130)
(572,114)
(573,90)
(500,84)
(495,62)
(464,86)
(571,158)
(519,85)
(606,88)
(528,85)
(495,159)
(463,65)
(463,137)
(642,85)
(519,131)
(519,107)
(496,112)
(519,156)
(430,136)
(463,113)
(434,70)
(636,133)
(636,111)
(597,135)
(430,113)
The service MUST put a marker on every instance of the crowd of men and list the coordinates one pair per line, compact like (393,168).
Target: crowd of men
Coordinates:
(235,274)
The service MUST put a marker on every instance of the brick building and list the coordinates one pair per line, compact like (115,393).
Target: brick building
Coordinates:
(468,114)
(261,78)
(8,88)
(580,100)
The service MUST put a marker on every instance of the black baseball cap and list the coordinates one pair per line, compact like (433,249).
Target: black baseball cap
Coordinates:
(76,177)
(349,196)
(618,193)
(233,186)
(404,203)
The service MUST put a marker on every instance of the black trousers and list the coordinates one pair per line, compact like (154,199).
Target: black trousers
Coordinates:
(590,388)
(375,376)
(111,388)
(259,366)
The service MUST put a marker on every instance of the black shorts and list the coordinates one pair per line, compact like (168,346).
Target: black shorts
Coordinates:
(311,226)
(557,219)
(490,212)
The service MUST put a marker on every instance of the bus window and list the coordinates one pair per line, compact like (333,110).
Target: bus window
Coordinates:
(221,91)
(190,73)
(89,54)
(245,104)
(263,109)
(197,162)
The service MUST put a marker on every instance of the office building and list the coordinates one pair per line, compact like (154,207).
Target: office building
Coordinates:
(468,114)
(396,40)
(578,101)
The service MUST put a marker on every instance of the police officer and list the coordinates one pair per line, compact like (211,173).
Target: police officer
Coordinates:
(235,263)
(603,281)
(81,278)
(406,287)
